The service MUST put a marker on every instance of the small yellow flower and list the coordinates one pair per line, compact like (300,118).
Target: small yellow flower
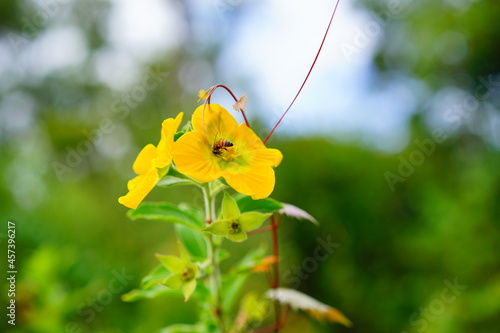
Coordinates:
(219,147)
(151,163)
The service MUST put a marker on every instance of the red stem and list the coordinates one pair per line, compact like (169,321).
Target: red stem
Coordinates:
(275,326)
(307,76)
(258,231)
(276,279)
(274,233)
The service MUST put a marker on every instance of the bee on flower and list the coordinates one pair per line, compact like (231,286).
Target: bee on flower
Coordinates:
(216,147)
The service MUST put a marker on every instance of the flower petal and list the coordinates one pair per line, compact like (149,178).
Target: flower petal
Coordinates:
(131,184)
(144,161)
(256,147)
(142,185)
(214,122)
(193,157)
(168,129)
(257,182)
(273,156)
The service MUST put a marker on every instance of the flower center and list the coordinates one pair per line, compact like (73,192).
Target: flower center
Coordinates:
(220,146)
(224,149)
(187,274)
(234,227)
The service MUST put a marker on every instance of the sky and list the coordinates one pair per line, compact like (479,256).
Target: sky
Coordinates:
(272,45)
(267,47)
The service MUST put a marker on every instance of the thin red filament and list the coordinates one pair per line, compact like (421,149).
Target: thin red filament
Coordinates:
(307,76)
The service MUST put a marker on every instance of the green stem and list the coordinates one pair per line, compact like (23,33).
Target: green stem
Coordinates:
(214,274)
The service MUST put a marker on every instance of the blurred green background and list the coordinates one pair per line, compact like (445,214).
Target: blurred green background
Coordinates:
(415,216)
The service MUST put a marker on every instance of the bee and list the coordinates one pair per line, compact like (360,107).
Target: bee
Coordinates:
(219,145)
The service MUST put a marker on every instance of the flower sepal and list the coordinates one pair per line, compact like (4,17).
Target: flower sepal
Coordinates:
(233,224)
(184,272)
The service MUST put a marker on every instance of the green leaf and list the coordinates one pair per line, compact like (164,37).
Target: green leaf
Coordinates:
(165,212)
(249,260)
(216,186)
(173,281)
(182,328)
(174,173)
(223,254)
(195,212)
(156,276)
(268,205)
(230,208)
(178,135)
(252,220)
(170,181)
(139,294)
(194,242)
(173,264)
(298,213)
(231,289)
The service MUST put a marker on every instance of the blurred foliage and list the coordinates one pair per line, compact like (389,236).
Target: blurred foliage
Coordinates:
(77,252)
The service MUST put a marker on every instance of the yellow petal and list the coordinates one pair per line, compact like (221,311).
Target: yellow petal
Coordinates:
(168,129)
(144,161)
(257,182)
(143,184)
(245,136)
(134,182)
(252,173)
(194,157)
(214,122)
(270,155)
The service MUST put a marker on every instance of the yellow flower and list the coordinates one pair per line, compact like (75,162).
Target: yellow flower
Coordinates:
(219,147)
(149,162)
